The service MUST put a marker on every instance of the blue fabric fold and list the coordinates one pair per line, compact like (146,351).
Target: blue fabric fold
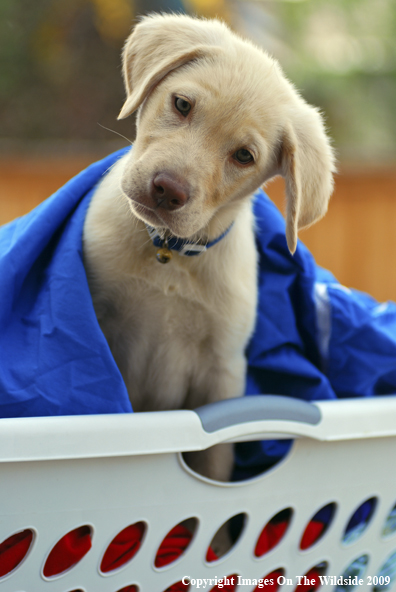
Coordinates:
(55,359)
(314,339)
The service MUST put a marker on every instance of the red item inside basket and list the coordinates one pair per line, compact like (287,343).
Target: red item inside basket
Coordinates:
(68,551)
(270,537)
(273,576)
(123,547)
(13,550)
(311,534)
(72,547)
(311,576)
(274,532)
(173,545)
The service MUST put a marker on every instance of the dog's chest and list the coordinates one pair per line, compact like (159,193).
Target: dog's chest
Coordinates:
(166,332)
(177,331)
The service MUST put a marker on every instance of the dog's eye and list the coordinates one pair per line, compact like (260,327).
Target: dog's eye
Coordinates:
(183,106)
(243,156)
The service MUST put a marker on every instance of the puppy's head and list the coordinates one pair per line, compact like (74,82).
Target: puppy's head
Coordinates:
(217,118)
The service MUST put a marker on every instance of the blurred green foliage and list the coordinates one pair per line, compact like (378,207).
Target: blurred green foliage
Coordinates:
(342,55)
(60,70)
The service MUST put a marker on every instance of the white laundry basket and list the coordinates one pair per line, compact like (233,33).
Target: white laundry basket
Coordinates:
(111,471)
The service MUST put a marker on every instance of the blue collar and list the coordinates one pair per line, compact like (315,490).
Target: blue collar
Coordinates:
(182,246)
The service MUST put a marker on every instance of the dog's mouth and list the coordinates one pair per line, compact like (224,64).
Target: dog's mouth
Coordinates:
(163,202)
(152,217)
(181,220)
(145,213)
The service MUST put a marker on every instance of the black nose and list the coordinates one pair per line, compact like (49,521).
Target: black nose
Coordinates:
(168,193)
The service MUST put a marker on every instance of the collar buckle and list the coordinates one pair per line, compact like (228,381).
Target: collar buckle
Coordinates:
(189,249)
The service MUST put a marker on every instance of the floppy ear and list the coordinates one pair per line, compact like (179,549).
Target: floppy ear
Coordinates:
(160,44)
(307,163)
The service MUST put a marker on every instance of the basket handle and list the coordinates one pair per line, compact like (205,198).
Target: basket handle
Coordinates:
(276,416)
(231,412)
(158,432)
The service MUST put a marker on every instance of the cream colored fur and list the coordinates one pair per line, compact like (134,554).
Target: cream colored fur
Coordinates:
(178,331)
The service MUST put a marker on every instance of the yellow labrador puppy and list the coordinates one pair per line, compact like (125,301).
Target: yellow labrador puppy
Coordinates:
(217,118)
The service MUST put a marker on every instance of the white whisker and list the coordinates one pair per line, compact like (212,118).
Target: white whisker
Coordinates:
(114,132)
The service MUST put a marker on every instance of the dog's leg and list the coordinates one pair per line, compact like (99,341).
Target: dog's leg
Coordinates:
(214,463)
(224,381)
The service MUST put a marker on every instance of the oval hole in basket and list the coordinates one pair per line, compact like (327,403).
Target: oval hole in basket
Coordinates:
(226,584)
(355,569)
(68,551)
(387,570)
(14,550)
(270,583)
(226,537)
(123,547)
(311,580)
(317,526)
(131,588)
(273,532)
(390,523)
(359,521)
(248,459)
(176,542)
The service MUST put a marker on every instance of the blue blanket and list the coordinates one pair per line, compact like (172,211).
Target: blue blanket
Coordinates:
(314,339)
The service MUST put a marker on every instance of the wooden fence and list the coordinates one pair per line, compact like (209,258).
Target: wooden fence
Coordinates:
(356,240)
